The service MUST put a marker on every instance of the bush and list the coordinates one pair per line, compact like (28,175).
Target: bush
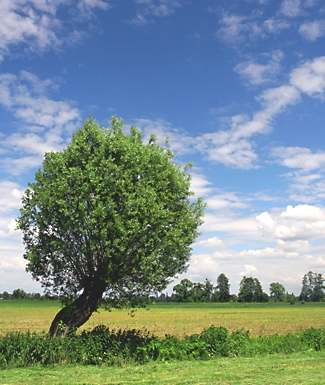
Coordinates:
(115,347)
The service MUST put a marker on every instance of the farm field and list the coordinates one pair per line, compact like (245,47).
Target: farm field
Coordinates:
(176,319)
(294,369)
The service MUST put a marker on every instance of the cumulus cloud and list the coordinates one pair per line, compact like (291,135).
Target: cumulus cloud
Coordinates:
(47,123)
(309,78)
(312,30)
(35,23)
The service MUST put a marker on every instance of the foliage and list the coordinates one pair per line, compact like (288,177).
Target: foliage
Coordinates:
(110,213)
(312,287)
(277,292)
(109,347)
(250,290)
(222,293)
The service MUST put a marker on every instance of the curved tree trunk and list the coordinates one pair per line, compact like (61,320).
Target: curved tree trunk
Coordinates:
(77,313)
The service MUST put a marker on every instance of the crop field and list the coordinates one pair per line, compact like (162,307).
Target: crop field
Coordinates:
(294,369)
(175,319)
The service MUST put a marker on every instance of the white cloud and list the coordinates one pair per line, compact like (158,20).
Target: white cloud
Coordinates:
(200,184)
(305,213)
(260,73)
(291,8)
(275,26)
(236,28)
(301,222)
(178,141)
(312,30)
(10,196)
(47,123)
(147,10)
(300,158)
(212,242)
(35,23)
(225,200)
(249,270)
(309,78)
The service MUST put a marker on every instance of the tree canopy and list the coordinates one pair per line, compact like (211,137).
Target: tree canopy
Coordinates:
(110,214)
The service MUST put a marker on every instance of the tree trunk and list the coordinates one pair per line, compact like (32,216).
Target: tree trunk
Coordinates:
(72,316)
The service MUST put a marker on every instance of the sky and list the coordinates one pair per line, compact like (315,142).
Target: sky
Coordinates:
(237,87)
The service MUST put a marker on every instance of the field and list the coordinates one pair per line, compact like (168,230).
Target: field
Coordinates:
(176,319)
(305,368)
(294,369)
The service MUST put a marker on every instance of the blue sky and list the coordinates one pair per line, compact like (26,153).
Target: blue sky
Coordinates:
(238,89)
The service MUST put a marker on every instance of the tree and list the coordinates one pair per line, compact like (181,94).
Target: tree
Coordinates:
(250,290)
(312,287)
(306,290)
(198,292)
(223,288)
(208,290)
(110,214)
(277,291)
(183,290)
(19,294)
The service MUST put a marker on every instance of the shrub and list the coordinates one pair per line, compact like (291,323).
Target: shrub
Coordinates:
(114,347)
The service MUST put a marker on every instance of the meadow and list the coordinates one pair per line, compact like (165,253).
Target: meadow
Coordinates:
(175,319)
(303,367)
(278,369)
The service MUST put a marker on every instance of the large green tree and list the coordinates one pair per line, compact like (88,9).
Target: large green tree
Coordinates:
(111,214)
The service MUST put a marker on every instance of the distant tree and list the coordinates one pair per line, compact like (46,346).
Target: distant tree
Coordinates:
(290,298)
(19,294)
(306,290)
(318,293)
(250,290)
(246,290)
(208,290)
(183,290)
(5,295)
(277,292)
(223,288)
(109,215)
(312,287)
(198,293)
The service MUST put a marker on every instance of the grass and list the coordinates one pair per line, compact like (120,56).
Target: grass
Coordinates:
(294,369)
(176,319)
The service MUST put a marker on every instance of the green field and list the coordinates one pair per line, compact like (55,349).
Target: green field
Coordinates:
(176,319)
(294,369)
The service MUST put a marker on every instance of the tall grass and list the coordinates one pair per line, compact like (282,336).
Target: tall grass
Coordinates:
(115,347)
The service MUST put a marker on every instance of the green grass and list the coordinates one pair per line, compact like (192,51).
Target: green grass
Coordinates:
(294,369)
(176,319)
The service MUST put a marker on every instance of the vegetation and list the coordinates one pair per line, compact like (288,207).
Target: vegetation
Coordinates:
(110,214)
(312,287)
(178,319)
(313,290)
(103,346)
(250,290)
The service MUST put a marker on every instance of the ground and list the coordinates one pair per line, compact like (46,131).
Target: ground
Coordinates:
(305,368)
(294,369)
(176,319)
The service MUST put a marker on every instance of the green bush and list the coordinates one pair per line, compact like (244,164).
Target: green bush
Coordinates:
(115,347)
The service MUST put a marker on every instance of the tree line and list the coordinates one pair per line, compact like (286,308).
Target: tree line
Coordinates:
(250,290)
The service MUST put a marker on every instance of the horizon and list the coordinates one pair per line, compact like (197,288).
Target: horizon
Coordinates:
(238,89)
